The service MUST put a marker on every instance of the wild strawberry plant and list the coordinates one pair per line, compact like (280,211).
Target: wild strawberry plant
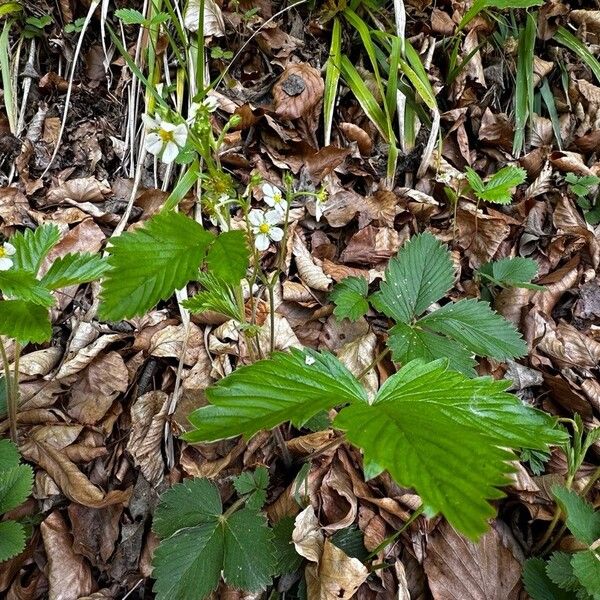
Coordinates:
(16,481)
(419,276)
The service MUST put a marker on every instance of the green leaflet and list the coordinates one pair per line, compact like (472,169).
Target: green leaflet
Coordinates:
(200,542)
(12,539)
(73,269)
(21,284)
(24,321)
(586,567)
(350,298)
(228,256)
(582,520)
(537,583)
(149,264)
(499,187)
(515,272)
(15,486)
(33,245)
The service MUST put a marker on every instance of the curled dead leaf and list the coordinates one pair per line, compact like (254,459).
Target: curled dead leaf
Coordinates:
(298,91)
(310,272)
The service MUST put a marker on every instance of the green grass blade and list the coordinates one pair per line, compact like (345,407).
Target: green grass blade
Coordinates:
(332,78)
(524,88)
(566,38)
(551,106)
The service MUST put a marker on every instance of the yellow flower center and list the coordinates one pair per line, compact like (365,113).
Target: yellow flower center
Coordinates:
(277,198)
(166,136)
(264,228)
(2,252)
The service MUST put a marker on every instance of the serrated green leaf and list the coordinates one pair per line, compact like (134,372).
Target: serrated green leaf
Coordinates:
(447,436)
(250,481)
(499,187)
(410,343)
(537,583)
(292,386)
(288,560)
(150,263)
(9,455)
(249,562)
(228,257)
(582,520)
(12,539)
(517,271)
(187,565)
(475,325)
(73,269)
(129,16)
(15,486)
(24,321)
(350,298)
(560,571)
(419,275)
(186,504)
(22,285)
(217,296)
(33,245)
(586,567)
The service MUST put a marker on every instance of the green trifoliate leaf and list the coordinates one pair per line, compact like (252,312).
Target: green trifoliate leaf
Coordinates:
(292,386)
(217,296)
(418,276)
(249,562)
(186,504)
(150,263)
(12,539)
(586,567)
(448,437)
(22,285)
(24,321)
(350,298)
(73,269)
(410,343)
(499,187)
(477,327)
(129,16)
(15,487)
(515,272)
(250,481)
(33,245)
(582,520)
(560,571)
(228,256)
(537,583)
(9,455)
(187,565)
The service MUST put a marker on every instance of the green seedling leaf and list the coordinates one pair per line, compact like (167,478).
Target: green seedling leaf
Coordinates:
(12,539)
(291,386)
(537,583)
(33,245)
(582,520)
(560,571)
(586,567)
(511,272)
(477,327)
(73,269)
(459,460)
(228,256)
(24,321)
(15,487)
(129,16)
(217,296)
(350,298)
(202,542)
(254,485)
(499,187)
(22,285)
(419,275)
(149,264)
(288,560)
(566,38)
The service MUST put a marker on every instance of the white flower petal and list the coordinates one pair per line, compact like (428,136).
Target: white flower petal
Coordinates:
(149,122)
(211,103)
(9,249)
(276,233)
(281,208)
(273,217)
(269,190)
(154,143)
(256,217)
(269,201)
(5,264)
(170,153)
(318,211)
(180,134)
(261,241)
(166,126)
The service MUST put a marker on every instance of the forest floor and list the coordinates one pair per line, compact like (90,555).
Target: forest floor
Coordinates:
(104,402)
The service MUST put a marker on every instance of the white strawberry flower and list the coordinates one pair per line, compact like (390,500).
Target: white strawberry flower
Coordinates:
(164,139)
(208,105)
(273,197)
(264,228)
(320,200)
(6,250)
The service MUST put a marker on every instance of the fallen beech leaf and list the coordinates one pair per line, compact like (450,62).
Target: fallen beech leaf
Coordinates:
(213,19)
(70,480)
(298,91)
(354,133)
(307,535)
(171,340)
(86,355)
(357,355)
(69,575)
(371,245)
(40,362)
(148,415)
(570,347)
(338,501)
(336,576)
(458,568)
(86,189)
(312,274)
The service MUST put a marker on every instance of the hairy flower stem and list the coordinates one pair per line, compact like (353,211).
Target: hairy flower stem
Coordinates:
(12,389)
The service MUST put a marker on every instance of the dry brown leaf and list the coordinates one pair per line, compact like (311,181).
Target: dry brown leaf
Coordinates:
(570,347)
(458,568)
(307,535)
(298,91)
(371,245)
(357,355)
(69,575)
(83,357)
(338,502)
(170,341)
(86,189)
(70,480)
(310,273)
(357,134)
(148,415)
(40,362)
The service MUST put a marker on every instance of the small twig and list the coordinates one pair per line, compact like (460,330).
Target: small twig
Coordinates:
(373,363)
